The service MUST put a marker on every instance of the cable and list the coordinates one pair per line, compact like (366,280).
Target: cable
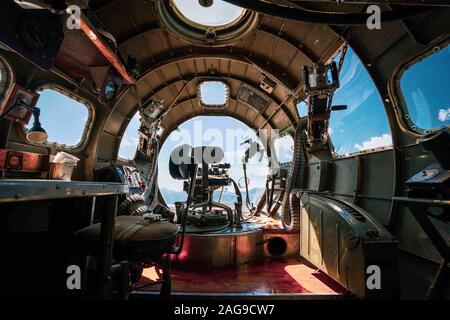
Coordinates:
(295,177)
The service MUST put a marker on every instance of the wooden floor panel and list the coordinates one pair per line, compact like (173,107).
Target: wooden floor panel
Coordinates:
(268,276)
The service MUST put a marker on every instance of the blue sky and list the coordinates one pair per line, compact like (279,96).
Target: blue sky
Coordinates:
(213,93)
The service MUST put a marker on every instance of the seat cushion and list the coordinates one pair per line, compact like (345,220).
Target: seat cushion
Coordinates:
(135,239)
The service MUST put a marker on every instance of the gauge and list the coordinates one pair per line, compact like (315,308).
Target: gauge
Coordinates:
(33,33)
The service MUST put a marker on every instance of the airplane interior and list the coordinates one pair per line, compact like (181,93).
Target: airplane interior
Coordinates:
(97,201)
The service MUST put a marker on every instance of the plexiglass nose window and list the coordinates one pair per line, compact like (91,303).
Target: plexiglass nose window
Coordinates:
(364,125)
(426,90)
(130,139)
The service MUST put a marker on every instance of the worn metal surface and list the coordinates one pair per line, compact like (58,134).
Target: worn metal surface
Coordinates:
(343,241)
(33,190)
(227,248)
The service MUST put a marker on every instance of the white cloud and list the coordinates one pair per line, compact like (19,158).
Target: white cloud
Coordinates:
(375,142)
(444,115)
(128,141)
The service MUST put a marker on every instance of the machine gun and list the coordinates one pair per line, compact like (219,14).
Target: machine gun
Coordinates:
(319,88)
(205,214)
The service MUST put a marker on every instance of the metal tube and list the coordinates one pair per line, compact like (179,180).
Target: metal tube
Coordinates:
(105,50)
(108,218)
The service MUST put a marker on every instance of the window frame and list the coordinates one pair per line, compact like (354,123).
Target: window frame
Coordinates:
(176,22)
(87,128)
(213,106)
(10,81)
(399,98)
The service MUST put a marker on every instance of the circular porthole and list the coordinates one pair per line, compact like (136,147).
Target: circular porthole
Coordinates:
(217,23)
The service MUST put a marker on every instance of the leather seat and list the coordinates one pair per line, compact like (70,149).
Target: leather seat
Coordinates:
(135,239)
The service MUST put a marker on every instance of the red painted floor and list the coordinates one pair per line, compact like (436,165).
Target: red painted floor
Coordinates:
(267,276)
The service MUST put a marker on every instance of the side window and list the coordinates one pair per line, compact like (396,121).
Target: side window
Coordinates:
(284,148)
(302,108)
(425,87)
(364,125)
(65,118)
(130,139)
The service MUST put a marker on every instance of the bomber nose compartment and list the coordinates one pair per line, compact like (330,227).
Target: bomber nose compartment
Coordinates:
(224,149)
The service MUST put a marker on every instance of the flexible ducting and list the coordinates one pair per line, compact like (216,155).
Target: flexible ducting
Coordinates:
(330,18)
(291,218)
(133,205)
(151,193)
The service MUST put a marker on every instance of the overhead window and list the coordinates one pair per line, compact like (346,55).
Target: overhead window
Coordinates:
(211,14)
(130,139)
(206,22)
(213,94)
(65,118)
(425,87)
(364,125)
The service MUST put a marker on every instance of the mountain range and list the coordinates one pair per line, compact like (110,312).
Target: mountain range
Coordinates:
(228,196)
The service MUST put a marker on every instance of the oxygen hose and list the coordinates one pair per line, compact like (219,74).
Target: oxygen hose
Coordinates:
(291,218)
(150,194)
